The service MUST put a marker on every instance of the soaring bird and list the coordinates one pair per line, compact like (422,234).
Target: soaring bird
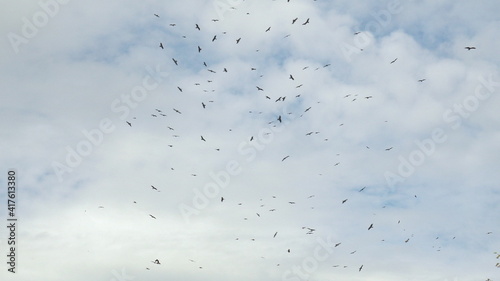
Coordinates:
(306,22)
(199,49)
(197,27)
(279,118)
(177,111)
(394,60)
(153,218)
(161,45)
(203,139)
(275,234)
(238,40)
(156,15)
(370,227)
(421,80)
(291,77)
(202,104)
(222,199)
(175,61)
(179,88)
(343,201)
(130,124)
(215,38)
(361,267)
(294,20)
(156,261)
(387,149)
(282,161)
(470,48)
(259,88)
(269,28)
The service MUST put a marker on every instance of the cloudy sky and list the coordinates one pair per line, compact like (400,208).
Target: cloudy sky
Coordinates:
(285,140)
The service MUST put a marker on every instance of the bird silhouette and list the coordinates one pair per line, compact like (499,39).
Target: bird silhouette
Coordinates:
(197,27)
(294,20)
(130,124)
(306,22)
(238,40)
(152,216)
(470,48)
(370,227)
(161,45)
(394,60)
(282,161)
(269,28)
(203,139)
(175,61)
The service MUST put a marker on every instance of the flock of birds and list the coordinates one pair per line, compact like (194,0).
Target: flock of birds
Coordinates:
(198,49)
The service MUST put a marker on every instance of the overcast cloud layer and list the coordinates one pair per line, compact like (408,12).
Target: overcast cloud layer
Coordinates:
(357,142)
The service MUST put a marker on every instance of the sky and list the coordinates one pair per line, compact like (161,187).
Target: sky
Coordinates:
(264,140)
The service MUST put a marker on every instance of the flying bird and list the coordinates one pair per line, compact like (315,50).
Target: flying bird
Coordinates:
(269,28)
(361,267)
(177,112)
(282,161)
(275,234)
(279,118)
(470,48)
(202,104)
(222,199)
(394,60)
(291,77)
(387,149)
(156,261)
(238,40)
(175,61)
(199,49)
(370,227)
(197,27)
(215,38)
(156,15)
(421,80)
(202,138)
(343,201)
(259,88)
(130,124)
(179,88)
(161,45)
(153,218)
(306,22)
(294,20)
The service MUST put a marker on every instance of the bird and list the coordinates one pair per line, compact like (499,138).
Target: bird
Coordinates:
(197,27)
(202,104)
(291,77)
(203,139)
(215,38)
(177,112)
(279,118)
(130,124)
(357,32)
(394,60)
(289,250)
(306,22)
(222,199)
(153,218)
(387,149)
(179,88)
(361,267)
(259,88)
(421,80)
(156,15)
(370,227)
(470,48)
(156,261)
(276,233)
(199,49)
(175,61)
(343,201)
(161,45)
(294,20)
(269,28)
(238,40)
(284,160)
